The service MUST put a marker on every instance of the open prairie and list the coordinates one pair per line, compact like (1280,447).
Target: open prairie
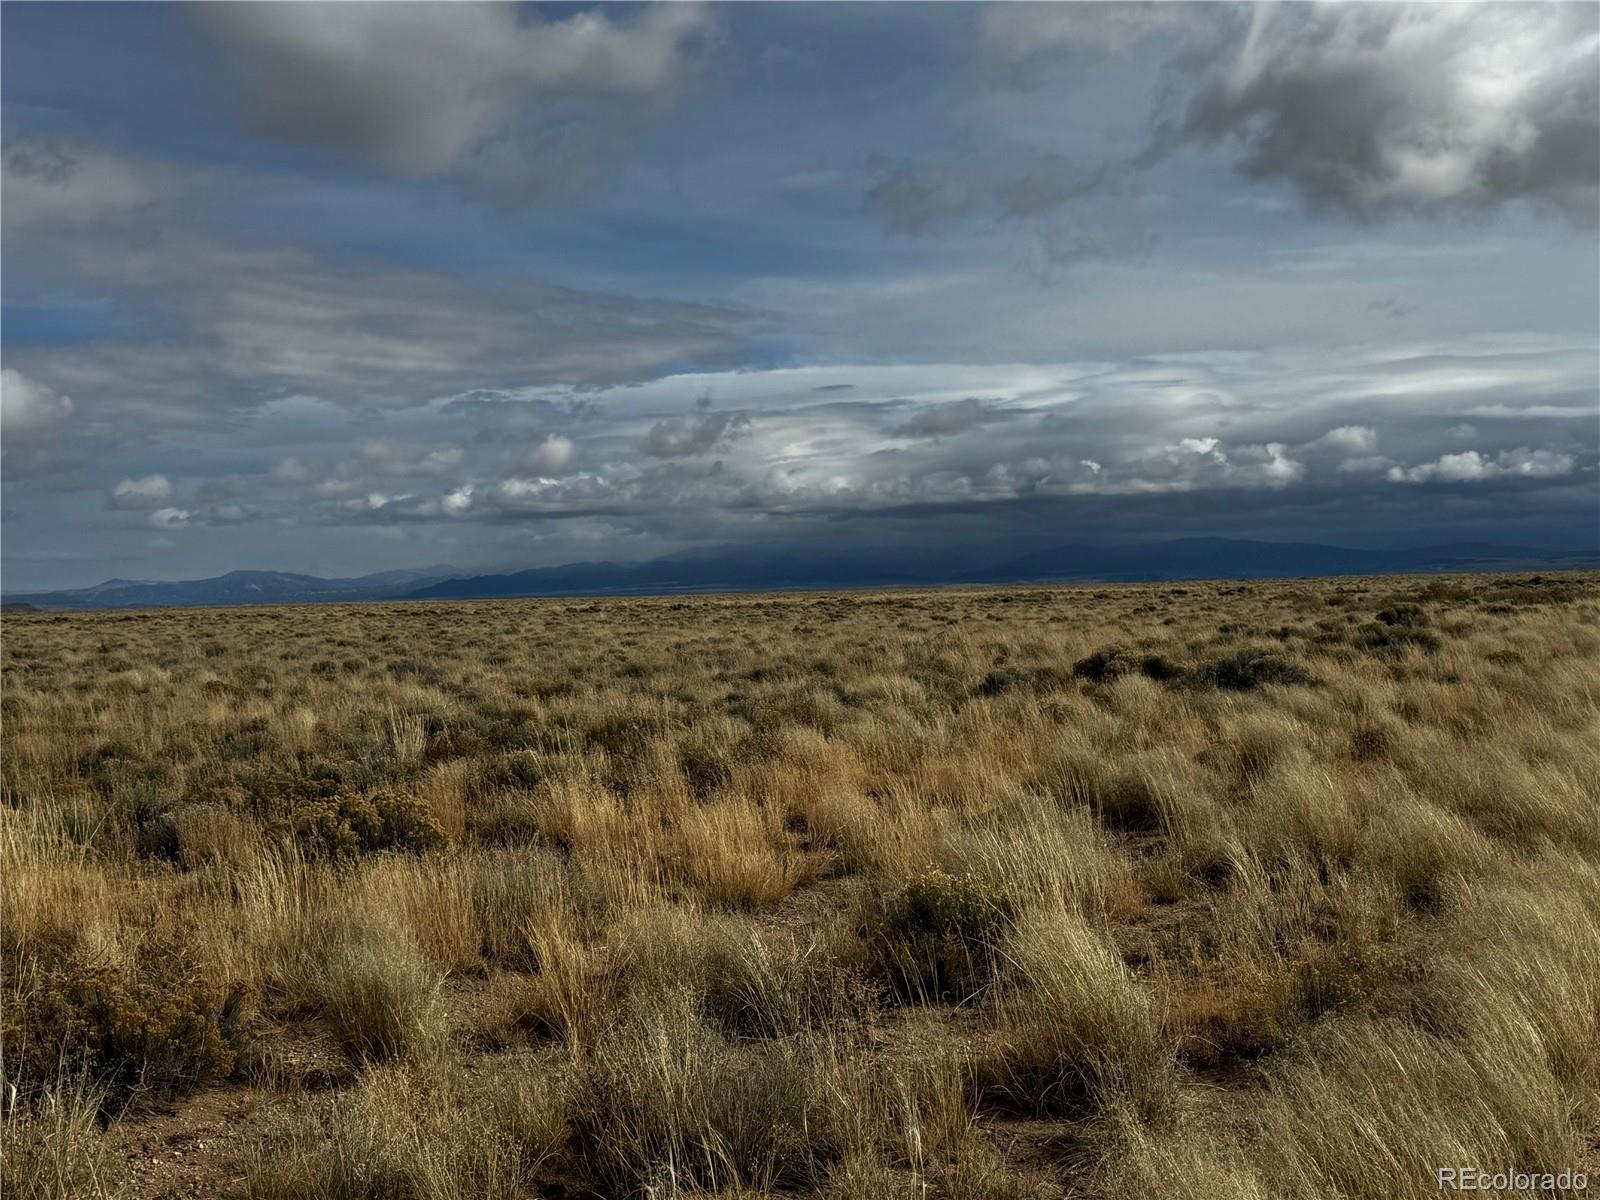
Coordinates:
(1284,889)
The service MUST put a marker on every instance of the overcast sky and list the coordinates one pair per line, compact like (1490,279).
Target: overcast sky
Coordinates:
(340,288)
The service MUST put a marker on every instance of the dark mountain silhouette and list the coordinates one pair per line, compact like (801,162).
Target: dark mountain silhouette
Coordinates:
(758,569)
(237,587)
(768,568)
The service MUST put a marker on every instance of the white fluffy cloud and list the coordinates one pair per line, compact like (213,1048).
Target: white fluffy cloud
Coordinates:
(1349,439)
(579,492)
(28,407)
(553,455)
(1470,466)
(1205,462)
(146,492)
(1276,469)
(169,518)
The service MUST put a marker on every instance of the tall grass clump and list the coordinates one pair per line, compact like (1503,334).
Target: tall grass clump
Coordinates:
(378,992)
(937,936)
(669,1105)
(1077,1034)
(51,1147)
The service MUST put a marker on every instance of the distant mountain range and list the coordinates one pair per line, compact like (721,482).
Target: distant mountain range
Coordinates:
(766,568)
(237,587)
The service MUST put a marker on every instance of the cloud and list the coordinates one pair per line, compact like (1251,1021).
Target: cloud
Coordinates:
(264,317)
(941,420)
(1275,468)
(913,198)
(1534,412)
(1368,110)
(1472,467)
(146,492)
(419,88)
(1372,110)
(1349,439)
(1030,184)
(677,437)
(1366,464)
(1206,462)
(459,502)
(55,185)
(28,408)
(385,345)
(1391,307)
(1021,31)
(399,460)
(553,455)
(291,318)
(291,470)
(243,326)
(576,495)
(1071,213)
(1176,441)
(1042,182)
(169,518)
(226,514)
(914,436)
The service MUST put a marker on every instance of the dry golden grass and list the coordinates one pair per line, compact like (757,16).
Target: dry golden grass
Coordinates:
(1235,890)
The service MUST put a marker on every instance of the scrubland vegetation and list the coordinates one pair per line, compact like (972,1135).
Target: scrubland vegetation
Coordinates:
(1284,889)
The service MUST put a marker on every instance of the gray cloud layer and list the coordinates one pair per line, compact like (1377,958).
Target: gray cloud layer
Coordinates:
(243,324)
(519,108)
(1362,421)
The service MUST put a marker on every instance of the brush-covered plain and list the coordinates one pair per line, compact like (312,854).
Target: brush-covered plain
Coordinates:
(1284,889)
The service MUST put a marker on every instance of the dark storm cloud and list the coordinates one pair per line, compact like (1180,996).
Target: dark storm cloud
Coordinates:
(1368,110)
(1376,109)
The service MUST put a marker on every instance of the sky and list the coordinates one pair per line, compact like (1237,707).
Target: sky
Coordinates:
(339,288)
